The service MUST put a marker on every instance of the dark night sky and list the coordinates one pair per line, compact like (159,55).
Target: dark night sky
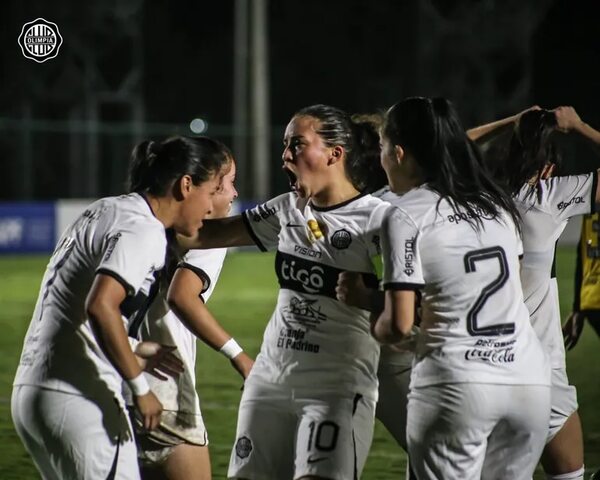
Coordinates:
(356,54)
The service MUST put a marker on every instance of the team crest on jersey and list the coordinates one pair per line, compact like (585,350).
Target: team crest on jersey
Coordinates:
(243,447)
(341,239)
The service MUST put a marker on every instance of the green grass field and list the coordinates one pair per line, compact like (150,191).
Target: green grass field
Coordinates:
(243,301)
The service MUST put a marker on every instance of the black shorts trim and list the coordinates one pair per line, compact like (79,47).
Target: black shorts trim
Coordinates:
(594,187)
(128,288)
(403,286)
(357,399)
(253,235)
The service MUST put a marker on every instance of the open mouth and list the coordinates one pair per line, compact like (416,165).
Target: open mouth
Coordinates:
(293,180)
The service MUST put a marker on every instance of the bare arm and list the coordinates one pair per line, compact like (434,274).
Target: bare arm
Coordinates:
(184,300)
(102,307)
(218,232)
(483,132)
(568,120)
(396,320)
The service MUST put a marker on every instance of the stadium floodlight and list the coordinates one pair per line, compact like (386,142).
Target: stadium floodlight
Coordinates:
(197,125)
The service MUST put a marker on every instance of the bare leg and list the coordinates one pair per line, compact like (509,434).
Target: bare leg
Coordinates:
(186,462)
(564,453)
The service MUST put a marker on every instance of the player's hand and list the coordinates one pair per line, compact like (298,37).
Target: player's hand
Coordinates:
(351,289)
(243,364)
(567,118)
(572,329)
(157,359)
(149,408)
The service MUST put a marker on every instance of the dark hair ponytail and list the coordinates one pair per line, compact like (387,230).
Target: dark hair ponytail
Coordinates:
(450,163)
(360,139)
(531,148)
(155,166)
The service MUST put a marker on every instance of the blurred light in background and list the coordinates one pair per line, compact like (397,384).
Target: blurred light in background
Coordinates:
(197,125)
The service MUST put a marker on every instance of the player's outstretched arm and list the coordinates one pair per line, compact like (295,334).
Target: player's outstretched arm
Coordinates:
(102,307)
(184,299)
(478,133)
(217,233)
(396,320)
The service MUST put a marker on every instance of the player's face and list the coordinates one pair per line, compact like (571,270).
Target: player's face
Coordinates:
(305,155)
(197,204)
(224,198)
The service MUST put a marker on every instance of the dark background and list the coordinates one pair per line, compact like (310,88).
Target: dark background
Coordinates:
(491,57)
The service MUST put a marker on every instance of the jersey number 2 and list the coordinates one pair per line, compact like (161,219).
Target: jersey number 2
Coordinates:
(471,260)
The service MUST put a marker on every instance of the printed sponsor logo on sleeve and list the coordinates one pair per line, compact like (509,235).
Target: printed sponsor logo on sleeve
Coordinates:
(112,242)
(263,212)
(409,255)
(573,201)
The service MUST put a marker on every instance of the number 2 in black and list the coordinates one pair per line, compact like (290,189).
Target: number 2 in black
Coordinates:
(471,260)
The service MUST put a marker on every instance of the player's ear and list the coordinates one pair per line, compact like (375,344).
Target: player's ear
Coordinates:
(183,187)
(337,153)
(399,152)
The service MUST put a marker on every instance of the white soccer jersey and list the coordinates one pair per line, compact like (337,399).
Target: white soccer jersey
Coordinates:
(545,215)
(179,394)
(60,351)
(313,340)
(474,324)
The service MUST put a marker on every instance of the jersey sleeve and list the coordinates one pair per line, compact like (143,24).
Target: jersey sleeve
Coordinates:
(373,230)
(206,264)
(573,195)
(402,269)
(264,222)
(127,261)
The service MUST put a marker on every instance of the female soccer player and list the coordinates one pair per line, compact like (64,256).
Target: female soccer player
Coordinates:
(545,205)
(178,448)
(479,399)
(67,404)
(307,409)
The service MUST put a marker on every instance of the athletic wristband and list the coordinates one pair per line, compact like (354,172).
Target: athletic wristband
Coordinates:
(139,385)
(231,349)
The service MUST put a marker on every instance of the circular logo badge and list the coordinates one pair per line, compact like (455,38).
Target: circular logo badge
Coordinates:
(341,239)
(40,40)
(243,447)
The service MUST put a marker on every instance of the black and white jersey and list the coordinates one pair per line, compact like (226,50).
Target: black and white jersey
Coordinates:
(545,215)
(116,236)
(312,340)
(163,326)
(474,324)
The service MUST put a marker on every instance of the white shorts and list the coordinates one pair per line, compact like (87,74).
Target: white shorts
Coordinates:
(394,381)
(563,399)
(175,428)
(286,434)
(472,431)
(73,437)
